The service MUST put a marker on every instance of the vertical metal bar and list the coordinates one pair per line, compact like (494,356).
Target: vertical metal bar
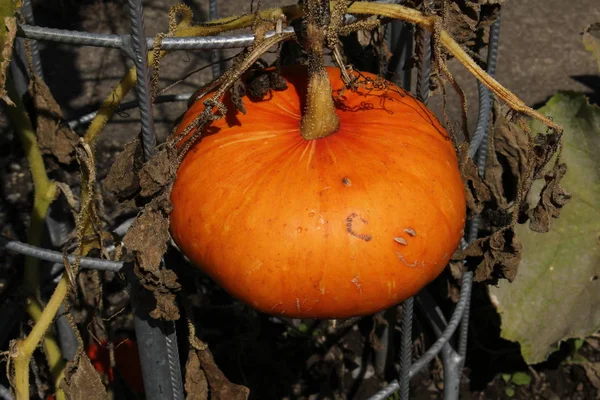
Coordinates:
(216,67)
(157,340)
(27,11)
(159,354)
(406,348)
(424,73)
(143,76)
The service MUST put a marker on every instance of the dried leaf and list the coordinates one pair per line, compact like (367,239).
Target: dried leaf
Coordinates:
(196,385)
(83,382)
(476,189)
(122,179)
(8,32)
(493,257)
(159,172)
(201,365)
(508,161)
(260,82)
(552,198)
(558,275)
(467,17)
(591,41)
(236,93)
(54,135)
(545,147)
(147,238)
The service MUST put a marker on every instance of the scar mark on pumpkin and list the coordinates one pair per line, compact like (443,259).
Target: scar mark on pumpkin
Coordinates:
(410,265)
(400,240)
(346,182)
(275,306)
(298,304)
(350,229)
(357,284)
(410,232)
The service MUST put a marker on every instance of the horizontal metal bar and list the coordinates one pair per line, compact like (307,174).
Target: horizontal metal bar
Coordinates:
(119,42)
(167,98)
(56,256)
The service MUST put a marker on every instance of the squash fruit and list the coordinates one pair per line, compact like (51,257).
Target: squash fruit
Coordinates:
(339,226)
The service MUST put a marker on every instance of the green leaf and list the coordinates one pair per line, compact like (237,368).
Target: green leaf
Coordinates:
(556,295)
(591,41)
(521,378)
(509,391)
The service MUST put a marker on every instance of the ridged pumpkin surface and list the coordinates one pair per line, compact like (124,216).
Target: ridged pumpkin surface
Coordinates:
(335,227)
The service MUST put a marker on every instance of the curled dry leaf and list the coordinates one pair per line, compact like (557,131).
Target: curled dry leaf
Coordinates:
(493,257)
(159,172)
(477,191)
(260,82)
(147,239)
(552,198)
(467,17)
(196,385)
(8,32)
(202,374)
(54,135)
(507,158)
(82,381)
(122,178)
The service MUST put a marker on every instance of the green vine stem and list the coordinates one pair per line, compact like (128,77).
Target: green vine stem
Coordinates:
(44,193)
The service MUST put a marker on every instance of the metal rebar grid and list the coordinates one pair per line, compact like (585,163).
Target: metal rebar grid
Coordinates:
(159,342)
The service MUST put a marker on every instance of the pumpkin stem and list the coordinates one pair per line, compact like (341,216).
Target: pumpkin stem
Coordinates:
(319,119)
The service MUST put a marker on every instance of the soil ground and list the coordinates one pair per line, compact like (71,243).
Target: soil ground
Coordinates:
(540,53)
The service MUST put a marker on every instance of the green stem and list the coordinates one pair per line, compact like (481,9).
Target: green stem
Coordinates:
(44,194)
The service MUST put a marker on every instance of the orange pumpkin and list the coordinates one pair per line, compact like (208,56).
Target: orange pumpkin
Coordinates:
(345,225)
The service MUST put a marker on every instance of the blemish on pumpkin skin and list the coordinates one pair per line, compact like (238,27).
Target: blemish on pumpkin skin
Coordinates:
(275,306)
(410,232)
(298,304)
(350,228)
(357,284)
(410,265)
(346,182)
(400,240)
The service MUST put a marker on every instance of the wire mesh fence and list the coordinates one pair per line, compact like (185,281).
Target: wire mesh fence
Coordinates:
(158,341)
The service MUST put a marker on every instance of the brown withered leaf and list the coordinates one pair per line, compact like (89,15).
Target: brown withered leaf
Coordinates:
(196,385)
(201,365)
(54,135)
(476,189)
(82,381)
(159,172)
(147,239)
(467,17)
(260,82)
(545,146)
(236,93)
(493,257)
(510,144)
(8,32)
(122,178)
(553,198)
